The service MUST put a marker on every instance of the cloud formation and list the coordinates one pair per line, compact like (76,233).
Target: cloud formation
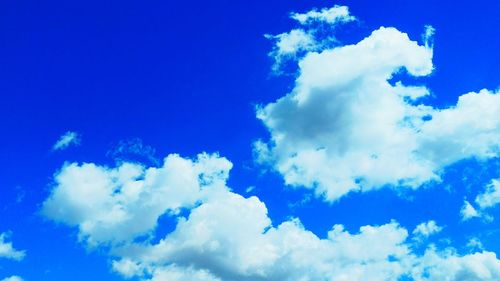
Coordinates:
(225,236)
(66,140)
(347,126)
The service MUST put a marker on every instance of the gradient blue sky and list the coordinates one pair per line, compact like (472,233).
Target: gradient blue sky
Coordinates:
(184,77)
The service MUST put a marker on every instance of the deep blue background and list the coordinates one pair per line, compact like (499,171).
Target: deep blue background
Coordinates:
(184,76)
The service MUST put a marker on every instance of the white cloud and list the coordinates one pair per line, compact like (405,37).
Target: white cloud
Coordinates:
(485,200)
(174,273)
(114,205)
(290,46)
(491,196)
(226,236)
(67,139)
(333,15)
(469,129)
(13,278)
(344,127)
(8,251)
(287,252)
(447,265)
(231,238)
(468,211)
(127,268)
(427,229)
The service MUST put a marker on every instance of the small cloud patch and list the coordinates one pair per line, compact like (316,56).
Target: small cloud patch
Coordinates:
(66,140)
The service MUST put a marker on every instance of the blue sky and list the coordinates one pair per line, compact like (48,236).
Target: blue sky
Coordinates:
(315,129)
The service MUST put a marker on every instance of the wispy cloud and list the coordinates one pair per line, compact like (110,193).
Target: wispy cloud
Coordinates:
(66,140)
(293,45)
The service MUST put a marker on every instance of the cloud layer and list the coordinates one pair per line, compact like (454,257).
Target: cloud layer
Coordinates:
(225,236)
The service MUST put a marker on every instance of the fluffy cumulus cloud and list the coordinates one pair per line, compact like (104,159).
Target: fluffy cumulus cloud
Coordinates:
(114,205)
(8,251)
(286,252)
(448,266)
(66,140)
(224,236)
(348,126)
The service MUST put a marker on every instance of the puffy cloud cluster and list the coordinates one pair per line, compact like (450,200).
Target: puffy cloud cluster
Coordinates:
(114,205)
(447,265)
(233,248)
(226,236)
(347,126)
